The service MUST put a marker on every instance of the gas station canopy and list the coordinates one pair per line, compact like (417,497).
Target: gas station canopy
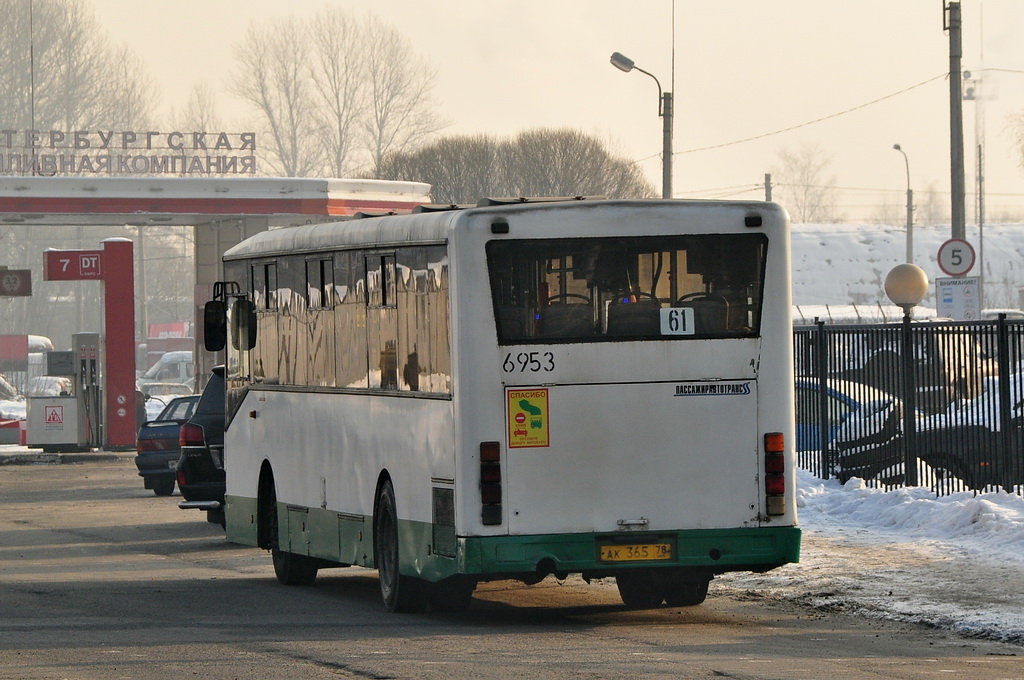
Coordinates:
(144,201)
(221,211)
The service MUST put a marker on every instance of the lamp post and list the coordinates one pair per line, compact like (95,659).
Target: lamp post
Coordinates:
(910,207)
(626,65)
(906,285)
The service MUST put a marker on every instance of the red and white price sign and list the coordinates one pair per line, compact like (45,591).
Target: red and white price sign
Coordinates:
(956,257)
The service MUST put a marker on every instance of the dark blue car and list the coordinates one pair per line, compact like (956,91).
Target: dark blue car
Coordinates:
(157,445)
(846,404)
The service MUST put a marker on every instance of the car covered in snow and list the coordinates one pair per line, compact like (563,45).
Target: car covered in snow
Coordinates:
(980,440)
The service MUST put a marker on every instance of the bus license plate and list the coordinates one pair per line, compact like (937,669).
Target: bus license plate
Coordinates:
(636,553)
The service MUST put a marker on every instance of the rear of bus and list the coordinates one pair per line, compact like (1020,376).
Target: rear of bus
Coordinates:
(624,393)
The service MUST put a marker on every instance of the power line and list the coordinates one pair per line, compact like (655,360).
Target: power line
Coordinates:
(811,122)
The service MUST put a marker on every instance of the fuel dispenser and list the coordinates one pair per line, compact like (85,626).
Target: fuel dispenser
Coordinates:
(74,421)
(89,350)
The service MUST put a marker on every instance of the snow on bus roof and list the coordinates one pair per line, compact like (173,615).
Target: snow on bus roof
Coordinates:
(434,223)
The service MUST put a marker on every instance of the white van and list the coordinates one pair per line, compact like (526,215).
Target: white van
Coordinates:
(172,367)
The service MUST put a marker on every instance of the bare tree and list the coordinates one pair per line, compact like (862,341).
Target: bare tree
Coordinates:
(932,206)
(1015,128)
(332,86)
(541,162)
(274,79)
(889,211)
(459,169)
(61,73)
(546,162)
(401,112)
(200,111)
(126,102)
(71,92)
(338,65)
(805,187)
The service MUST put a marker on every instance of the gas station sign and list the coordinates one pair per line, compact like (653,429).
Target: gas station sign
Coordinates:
(15,282)
(113,267)
(72,265)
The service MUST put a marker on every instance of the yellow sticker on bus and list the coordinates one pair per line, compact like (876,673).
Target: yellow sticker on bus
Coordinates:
(528,425)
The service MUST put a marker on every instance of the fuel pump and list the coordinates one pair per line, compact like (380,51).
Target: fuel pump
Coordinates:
(71,421)
(88,349)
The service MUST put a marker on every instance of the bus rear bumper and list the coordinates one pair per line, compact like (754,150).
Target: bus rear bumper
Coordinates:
(710,550)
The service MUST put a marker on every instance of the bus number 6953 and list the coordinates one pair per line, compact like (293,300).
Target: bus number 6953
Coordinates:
(532,362)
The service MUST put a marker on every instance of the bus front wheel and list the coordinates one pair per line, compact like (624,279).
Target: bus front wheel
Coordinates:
(399,593)
(452,595)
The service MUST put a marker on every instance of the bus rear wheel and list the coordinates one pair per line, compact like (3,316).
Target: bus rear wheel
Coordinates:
(399,593)
(685,591)
(638,590)
(289,568)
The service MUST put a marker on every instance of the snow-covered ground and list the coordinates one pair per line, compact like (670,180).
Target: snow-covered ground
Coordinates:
(841,264)
(953,562)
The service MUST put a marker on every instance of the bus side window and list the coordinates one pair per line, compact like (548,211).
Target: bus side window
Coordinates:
(243,324)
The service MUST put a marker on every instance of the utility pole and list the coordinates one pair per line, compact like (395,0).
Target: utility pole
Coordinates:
(956,117)
(666,145)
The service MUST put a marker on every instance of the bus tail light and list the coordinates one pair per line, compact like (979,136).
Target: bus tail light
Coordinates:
(775,473)
(490,482)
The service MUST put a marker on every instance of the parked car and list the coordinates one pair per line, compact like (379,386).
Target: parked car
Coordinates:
(158,448)
(949,364)
(871,446)
(172,367)
(200,469)
(844,401)
(971,442)
(864,429)
(158,395)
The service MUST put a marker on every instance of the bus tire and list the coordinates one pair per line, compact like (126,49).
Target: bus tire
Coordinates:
(637,590)
(399,593)
(292,569)
(452,595)
(684,591)
(289,568)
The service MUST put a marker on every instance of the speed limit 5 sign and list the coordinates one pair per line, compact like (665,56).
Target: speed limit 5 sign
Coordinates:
(956,257)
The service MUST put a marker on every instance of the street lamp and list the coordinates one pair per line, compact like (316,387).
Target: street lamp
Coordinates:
(626,65)
(906,285)
(910,207)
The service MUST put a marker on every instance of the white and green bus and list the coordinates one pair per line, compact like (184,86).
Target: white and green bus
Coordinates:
(515,390)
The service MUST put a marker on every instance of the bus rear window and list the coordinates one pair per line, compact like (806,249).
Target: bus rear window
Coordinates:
(627,288)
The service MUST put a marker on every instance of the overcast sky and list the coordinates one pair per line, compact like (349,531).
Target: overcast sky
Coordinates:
(743,68)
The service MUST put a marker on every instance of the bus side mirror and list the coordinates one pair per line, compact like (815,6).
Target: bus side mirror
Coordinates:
(215,326)
(243,322)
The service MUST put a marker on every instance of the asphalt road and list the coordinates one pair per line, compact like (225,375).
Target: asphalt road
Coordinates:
(100,579)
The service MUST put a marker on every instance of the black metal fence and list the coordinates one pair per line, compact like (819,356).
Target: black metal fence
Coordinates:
(946,414)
